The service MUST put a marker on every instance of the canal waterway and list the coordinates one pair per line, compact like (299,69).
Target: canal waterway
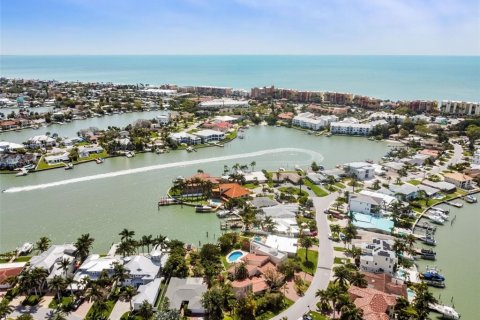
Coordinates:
(458,258)
(70,129)
(103,207)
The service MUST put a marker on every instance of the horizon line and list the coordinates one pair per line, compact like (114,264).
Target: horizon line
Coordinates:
(239,54)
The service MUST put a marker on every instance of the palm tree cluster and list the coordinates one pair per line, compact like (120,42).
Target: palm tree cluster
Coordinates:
(335,300)
(419,308)
(129,246)
(190,188)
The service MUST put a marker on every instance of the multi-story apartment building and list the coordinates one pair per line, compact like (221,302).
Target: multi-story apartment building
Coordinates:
(430,106)
(310,121)
(460,108)
(378,257)
(355,128)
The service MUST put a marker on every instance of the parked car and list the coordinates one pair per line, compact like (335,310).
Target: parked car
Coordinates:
(77,303)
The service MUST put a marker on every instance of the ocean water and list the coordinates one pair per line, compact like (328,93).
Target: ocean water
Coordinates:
(386,77)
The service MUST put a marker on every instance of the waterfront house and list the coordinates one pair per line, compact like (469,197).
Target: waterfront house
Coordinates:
(57,158)
(429,191)
(86,151)
(256,176)
(208,135)
(385,283)
(416,160)
(460,180)
(142,270)
(374,304)
(283,244)
(365,204)
(183,137)
(440,185)
(378,257)
(281,211)
(7,147)
(393,166)
(476,156)
(186,294)
(263,202)
(222,126)
(147,292)
(164,118)
(280,177)
(434,154)
(316,177)
(94,265)
(361,170)
(41,141)
(227,191)
(9,270)
(50,259)
(8,125)
(405,192)
(16,160)
(275,255)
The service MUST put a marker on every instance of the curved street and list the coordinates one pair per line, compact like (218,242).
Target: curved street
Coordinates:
(324,264)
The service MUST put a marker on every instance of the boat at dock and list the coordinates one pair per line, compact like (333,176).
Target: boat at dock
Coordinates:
(99,160)
(446,311)
(455,204)
(69,166)
(23,172)
(432,275)
(26,248)
(189,149)
(203,209)
(428,241)
(470,199)
(439,214)
(427,254)
(435,219)
(223,213)
(167,202)
(130,154)
(445,211)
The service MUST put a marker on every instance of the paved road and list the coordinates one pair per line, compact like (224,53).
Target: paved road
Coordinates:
(324,264)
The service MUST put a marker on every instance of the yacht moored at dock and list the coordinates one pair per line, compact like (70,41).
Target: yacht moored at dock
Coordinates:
(26,248)
(470,199)
(446,311)
(204,209)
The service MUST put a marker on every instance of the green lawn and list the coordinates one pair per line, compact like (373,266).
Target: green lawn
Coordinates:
(415,182)
(317,316)
(309,266)
(341,249)
(106,313)
(250,185)
(340,185)
(270,314)
(339,260)
(23,259)
(319,192)
(293,191)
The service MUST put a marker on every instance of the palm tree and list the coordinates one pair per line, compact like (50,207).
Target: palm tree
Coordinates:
(43,244)
(355,253)
(410,242)
(306,242)
(126,248)
(350,232)
(358,279)
(252,165)
(5,309)
(126,234)
(335,229)
(333,292)
(147,241)
(64,265)
(39,278)
(351,312)
(324,305)
(69,281)
(159,240)
(127,294)
(56,315)
(269,224)
(423,297)
(83,245)
(120,273)
(57,285)
(146,310)
(93,292)
(341,276)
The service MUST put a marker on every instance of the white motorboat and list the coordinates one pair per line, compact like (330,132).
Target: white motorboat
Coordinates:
(189,149)
(470,199)
(439,214)
(26,248)
(69,166)
(23,172)
(130,154)
(99,160)
(446,311)
(435,219)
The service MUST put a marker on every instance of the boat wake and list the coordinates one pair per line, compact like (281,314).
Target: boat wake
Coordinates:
(317,156)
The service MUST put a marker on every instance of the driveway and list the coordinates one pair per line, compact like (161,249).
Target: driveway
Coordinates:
(38,313)
(324,264)
(119,309)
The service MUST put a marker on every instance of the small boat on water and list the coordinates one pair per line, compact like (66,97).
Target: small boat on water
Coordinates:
(328,134)
(203,209)
(439,214)
(29,167)
(26,248)
(99,160)
(69,166)
(369,161)
(446,311)
(130,154)
(189,149)
(470,199)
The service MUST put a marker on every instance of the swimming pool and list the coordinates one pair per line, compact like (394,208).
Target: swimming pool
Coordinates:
(366,221)
(234,256)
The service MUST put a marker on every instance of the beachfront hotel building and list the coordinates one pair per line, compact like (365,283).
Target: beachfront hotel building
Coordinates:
(353,127)
(310,121)
(460,108)
(223,103)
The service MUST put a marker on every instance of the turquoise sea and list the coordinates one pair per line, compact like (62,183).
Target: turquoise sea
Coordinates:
(387,77)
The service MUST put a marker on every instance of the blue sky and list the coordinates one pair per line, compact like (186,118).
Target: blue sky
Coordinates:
(449,27)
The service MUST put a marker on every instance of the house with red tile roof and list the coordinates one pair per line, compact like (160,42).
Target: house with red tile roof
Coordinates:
(227,191)
(8,270)
(385,283)
(375,304)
